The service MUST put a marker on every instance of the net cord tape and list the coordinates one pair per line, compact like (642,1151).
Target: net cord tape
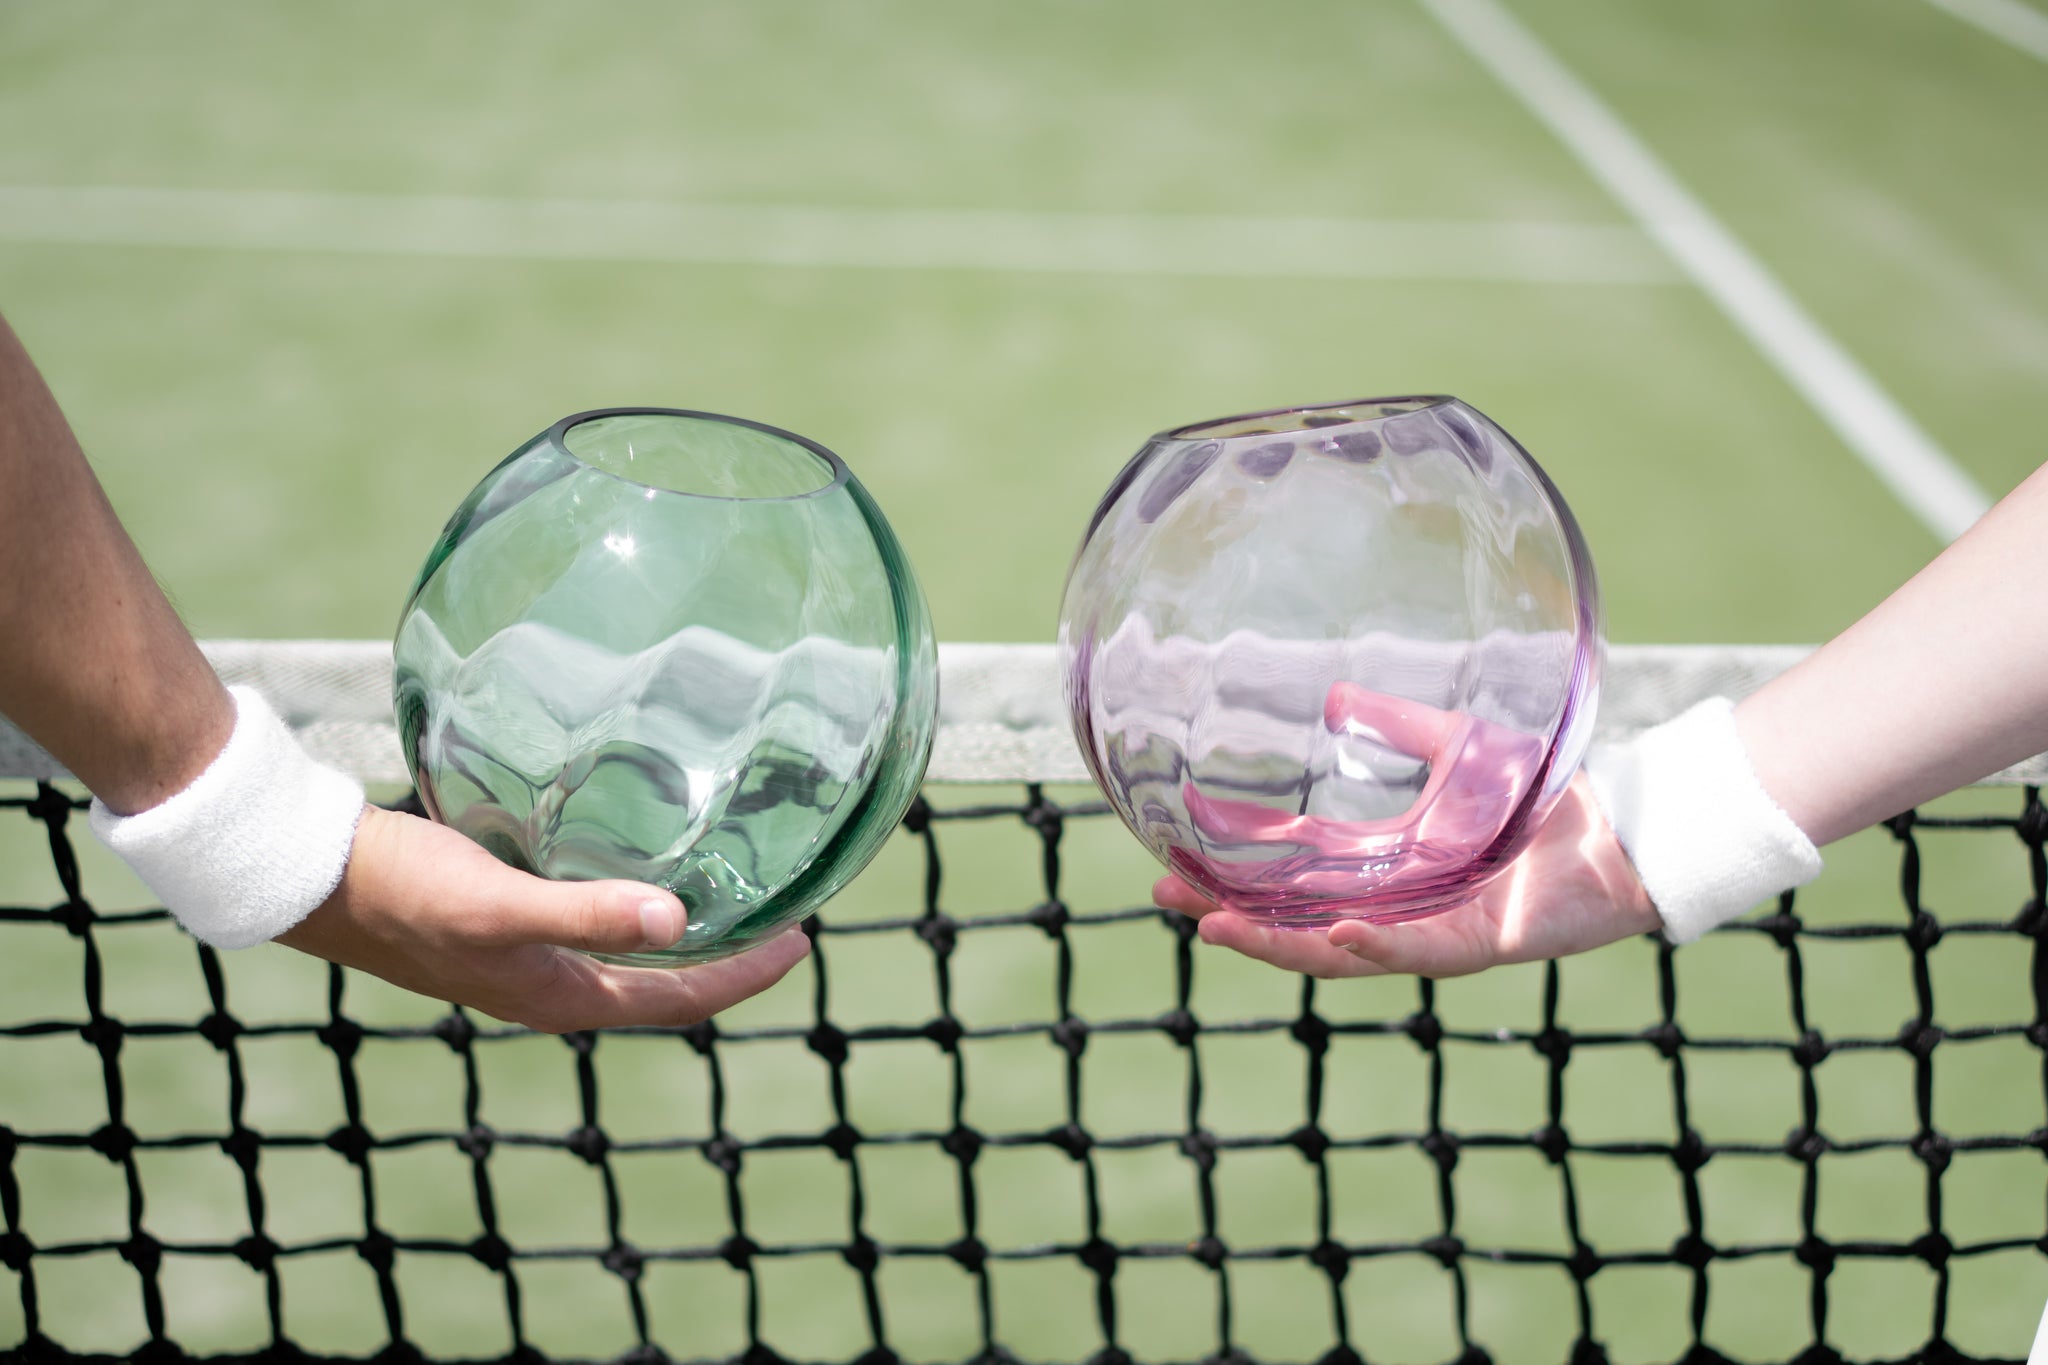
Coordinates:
(1002,709)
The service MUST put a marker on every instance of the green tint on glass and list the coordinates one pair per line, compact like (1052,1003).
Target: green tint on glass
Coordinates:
(673,647)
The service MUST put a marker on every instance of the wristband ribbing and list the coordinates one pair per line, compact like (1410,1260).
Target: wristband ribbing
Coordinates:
(1705,837)
(253,845)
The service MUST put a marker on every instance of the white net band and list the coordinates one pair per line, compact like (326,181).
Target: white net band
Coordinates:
(1002,717)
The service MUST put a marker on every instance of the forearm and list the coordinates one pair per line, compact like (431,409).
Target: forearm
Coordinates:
(96,666)
(1943,683)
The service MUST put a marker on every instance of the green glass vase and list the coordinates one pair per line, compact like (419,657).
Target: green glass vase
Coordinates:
(675,647)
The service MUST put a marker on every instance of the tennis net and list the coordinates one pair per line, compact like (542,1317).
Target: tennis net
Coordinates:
(1008,1112)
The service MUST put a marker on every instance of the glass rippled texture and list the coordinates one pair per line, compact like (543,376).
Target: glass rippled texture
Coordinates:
(1335,662)
(674,647)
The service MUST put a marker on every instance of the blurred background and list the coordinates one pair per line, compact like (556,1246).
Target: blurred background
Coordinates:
(1764,287)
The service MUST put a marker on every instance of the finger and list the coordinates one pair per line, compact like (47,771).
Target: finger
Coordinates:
(585,994)
(595,917)
(1404,949)
(1294,951)
(1171,893)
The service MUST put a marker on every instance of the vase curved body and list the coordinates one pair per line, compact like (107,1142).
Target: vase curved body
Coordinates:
(674,647)
(1334,662)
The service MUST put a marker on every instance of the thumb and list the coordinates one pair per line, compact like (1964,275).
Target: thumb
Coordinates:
(600,917)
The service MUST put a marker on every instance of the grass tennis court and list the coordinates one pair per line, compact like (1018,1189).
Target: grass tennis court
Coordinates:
(300,276)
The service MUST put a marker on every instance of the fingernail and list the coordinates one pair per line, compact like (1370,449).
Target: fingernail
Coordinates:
(661,921)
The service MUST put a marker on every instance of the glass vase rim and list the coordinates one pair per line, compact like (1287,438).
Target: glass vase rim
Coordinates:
(841,474)
(1410,403)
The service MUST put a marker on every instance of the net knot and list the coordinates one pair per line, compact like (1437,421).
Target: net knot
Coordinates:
(1819,1354)
(1816,1253)
(646,1353)
(1070,1035)
(1312,1033)
(969,1254)
(1667,1038)
(1552,1141)
(1692,1251)
(242,1146)
(114,1141)
(880,1355)
(220,1030)
(1331,1258)
(918,818)
(143,1252)
(341,1036)
(8,1143)
(1805,1144)
(1920,1037)
(862,1254)
(159,1351)
(104,1034)
(1443,1149)
(738,1251)
(1690,1152)
(491,1251)
(1425,1029)
(1050,916)
(1584,1263)
(1935,1150)
(379,1251)
(1933,1248)
(76,916)
(1924,932)
(1180,1026)
(1111,1355)
(1098,1255)
(351,1141)
(476,1142)
(946,1032)
(588,1142)
(761,1353)
(1310,1141)
(582,1042)
(840,1139)
(1340,1355)
(1200,1148)
(1811,1049)
(1554,1043)
(624,1261)
(1586,1351)
(1446,1249)
(828,1041)
(455,1030)
(15,1250)
(724,1153)
(1072,1139)
(702,1035)
(940,933)
(256,1251)
(2033,822)
(962,1144)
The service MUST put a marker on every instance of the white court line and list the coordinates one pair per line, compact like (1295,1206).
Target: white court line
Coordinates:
(1875,427)
(557,229)
(2021,25)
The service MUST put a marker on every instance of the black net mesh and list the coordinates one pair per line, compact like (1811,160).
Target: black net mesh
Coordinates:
(1002,1116)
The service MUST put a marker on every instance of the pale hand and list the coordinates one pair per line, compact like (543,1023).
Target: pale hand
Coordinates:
(1571,889)
(426,909)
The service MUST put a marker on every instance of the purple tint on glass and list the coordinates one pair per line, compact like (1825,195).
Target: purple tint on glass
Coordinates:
(1266,461)
(1340,688)
(1355,446)
(1174,479)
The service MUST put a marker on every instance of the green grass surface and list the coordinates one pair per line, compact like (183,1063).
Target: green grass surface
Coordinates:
(286,430)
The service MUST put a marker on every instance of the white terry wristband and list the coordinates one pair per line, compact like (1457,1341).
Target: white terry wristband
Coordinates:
(253,845)
(1704,835)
